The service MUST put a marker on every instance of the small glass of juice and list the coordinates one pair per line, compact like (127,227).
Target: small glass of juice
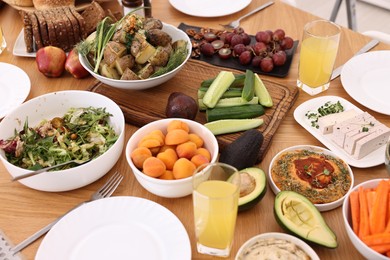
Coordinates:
(3,43)
(216,189)
(319,46)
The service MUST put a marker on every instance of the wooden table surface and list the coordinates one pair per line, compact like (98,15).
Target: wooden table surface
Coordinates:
(23,210)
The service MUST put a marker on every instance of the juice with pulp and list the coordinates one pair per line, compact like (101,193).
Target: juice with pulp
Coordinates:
(215,210)
(316,61)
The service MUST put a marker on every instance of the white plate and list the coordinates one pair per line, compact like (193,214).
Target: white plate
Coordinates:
(207,8)
(366,79)
(14,87)
(20,47)
(117,228)
(375,158)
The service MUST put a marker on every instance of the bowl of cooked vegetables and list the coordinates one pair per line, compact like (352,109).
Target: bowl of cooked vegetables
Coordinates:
(58,127)
(135,53)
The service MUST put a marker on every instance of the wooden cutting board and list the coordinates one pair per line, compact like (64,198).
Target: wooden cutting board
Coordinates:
(142,107)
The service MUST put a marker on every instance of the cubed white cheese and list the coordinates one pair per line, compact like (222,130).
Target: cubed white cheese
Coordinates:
(355,135)
(356,122)
(370,143)
(326,123)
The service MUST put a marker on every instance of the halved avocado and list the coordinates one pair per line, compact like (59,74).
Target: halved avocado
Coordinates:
(298,215)
(252,189)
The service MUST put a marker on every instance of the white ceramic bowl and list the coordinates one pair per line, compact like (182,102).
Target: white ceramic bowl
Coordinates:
(55,104)
(305,247)
(176,34)
(320,207)
(169,188)
(363,249)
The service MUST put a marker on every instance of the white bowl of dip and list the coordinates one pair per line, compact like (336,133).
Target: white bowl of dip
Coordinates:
(264,246)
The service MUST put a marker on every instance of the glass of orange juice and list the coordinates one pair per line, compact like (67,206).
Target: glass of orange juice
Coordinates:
(216,189)
(318,53)
(3,43)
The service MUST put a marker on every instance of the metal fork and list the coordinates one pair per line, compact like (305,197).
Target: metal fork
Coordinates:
(104,192)
(236,23)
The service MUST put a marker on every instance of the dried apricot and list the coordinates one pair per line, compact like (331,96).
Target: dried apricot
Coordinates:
(183,168)
(176,136)
(205,152)
(178,124)
(199,159)
(139,155)
(154,167)
(168,175)
(186,150)
(169,157)
(196,139)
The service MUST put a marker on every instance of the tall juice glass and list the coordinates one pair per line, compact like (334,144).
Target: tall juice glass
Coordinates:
(318,53)
(215,198)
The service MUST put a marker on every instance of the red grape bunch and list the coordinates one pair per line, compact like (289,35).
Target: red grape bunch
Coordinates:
(268,51)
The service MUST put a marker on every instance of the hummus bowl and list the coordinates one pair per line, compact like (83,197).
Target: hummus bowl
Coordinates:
(315,172)
(265,246)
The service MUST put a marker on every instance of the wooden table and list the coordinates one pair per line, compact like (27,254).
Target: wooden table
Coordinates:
(23,211)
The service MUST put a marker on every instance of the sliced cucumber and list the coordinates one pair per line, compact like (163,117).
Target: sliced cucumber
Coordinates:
(261,91)
(238,81)
(230,92)
(226,126)
(229,102)
(248,91)
(217,88)
(298,215)
(238,112)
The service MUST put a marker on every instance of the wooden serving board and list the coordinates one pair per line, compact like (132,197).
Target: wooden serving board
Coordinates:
(142,107)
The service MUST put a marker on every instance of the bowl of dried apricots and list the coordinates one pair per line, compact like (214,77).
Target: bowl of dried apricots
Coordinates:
(164,154)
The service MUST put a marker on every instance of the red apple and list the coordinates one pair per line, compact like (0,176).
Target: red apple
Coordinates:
(73,65)
(51,61)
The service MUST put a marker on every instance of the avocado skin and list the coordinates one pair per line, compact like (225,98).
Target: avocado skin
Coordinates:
(292,232)
(244,151)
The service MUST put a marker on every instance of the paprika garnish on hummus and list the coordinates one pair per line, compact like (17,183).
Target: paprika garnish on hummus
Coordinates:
(320,177)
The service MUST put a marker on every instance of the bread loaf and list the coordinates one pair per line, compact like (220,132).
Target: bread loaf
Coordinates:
(47,4)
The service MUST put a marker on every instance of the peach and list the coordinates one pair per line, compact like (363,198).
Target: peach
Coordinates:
(169,157)
(186,150)
(176,136)
(196,139)
(178,124)
(154,167)
(139,155)
(183,168)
